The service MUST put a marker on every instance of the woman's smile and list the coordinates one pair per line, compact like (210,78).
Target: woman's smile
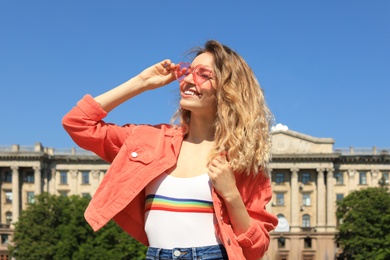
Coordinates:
(191,93)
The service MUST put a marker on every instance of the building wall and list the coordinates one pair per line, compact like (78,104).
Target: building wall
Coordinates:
(334,173)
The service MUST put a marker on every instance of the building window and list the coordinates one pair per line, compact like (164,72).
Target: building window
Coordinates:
(279,199)
(305,178)
(7,176)
(339,196)
(4,239)
(339,178)
(8,196)
(362,178)
(279,178)
(63,177)
(307,242)
(84,177)
(63,193)
(29,177)
(306,220)
(8,217)
(306,199)
(281,242)
(86,195)
(4,256)
(385,178)
(30,197)
(283,225)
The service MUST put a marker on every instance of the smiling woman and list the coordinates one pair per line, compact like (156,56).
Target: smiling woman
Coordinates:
(193,190)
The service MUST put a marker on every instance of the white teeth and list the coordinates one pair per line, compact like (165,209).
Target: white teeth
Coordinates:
(189,92)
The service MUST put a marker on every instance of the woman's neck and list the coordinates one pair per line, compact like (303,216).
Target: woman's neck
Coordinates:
(200,130)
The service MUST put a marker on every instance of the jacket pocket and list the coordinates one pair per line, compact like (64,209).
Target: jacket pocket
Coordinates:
(141,153)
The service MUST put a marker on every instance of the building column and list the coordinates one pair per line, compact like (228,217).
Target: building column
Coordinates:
(295,227)
(37,180)
(374,178)
(351,180)
(101,176)
(15,193)
(320,200)
(52,183)
(46,178)
(268,207)
(330,207)
(75,182)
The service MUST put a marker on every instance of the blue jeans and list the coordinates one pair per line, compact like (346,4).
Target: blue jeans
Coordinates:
(192,253)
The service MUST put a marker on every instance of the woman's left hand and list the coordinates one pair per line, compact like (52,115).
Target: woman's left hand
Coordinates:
(222,176)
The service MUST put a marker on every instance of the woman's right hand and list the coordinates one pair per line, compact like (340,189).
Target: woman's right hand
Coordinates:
(158,75)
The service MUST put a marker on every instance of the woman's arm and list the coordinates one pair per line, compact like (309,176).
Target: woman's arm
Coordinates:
(223,180)
(245,198)
(153,77)
(85,124)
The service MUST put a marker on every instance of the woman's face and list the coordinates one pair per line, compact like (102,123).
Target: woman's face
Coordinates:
(200,98)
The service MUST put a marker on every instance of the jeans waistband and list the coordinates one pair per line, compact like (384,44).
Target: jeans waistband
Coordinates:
(205,252)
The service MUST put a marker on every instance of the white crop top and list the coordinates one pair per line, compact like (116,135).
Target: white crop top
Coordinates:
(179,212)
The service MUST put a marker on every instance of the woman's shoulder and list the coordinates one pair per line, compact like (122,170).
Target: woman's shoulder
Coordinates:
(166,129)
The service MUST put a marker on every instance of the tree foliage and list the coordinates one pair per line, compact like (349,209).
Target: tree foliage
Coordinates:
(54,228)
(364,230)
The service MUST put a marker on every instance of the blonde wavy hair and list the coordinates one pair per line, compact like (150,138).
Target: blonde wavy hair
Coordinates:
(243,120)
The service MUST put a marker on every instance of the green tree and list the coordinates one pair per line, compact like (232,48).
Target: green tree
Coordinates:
(54,228)
(364,230)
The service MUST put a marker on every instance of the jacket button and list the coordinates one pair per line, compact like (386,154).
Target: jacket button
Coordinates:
(228,241)
(134,154)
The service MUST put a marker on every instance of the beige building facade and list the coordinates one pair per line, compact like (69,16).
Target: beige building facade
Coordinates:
(27,171)
(308,177)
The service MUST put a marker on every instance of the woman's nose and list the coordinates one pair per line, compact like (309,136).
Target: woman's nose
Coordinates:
(189,78)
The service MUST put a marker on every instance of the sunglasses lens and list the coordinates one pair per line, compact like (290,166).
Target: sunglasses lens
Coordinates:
(202,75)
(182,71)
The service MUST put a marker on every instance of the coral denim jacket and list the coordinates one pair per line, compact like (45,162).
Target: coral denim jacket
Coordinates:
(138,154)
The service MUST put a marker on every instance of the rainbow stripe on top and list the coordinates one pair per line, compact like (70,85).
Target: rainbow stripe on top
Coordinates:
(157,202)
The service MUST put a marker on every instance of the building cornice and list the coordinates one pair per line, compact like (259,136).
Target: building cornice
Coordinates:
(364,159)
(304,137)
(305,157)
(23,156)
(77,158)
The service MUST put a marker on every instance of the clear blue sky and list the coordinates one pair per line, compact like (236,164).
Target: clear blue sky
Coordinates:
(325,67)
